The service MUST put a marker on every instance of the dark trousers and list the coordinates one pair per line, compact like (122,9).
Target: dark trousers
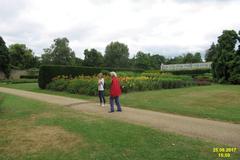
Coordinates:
(117,103)
(101,96)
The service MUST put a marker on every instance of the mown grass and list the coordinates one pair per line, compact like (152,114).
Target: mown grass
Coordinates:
(218,102)
(35,130)
(33,87)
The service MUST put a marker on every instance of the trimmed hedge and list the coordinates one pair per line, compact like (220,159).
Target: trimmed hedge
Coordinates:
(29,77)
(19,81)
(192,73)
(48,72)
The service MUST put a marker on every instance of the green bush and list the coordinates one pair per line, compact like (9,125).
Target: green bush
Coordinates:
(59,85)
(192,73)
(48,72)
(88,85)
(128,74)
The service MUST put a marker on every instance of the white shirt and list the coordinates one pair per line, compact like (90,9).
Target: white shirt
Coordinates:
(101,84)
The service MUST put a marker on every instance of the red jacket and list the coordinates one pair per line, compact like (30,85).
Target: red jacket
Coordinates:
(115,89)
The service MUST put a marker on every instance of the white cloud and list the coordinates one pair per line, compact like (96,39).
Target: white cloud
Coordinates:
(167,27)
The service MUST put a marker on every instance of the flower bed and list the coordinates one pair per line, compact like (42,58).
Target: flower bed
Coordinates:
(88,85)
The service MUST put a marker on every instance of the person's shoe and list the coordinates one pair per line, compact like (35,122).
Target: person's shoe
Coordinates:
(119,110)
(102,104)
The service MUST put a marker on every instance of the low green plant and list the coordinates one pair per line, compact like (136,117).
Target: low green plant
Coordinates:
(88,85)
(11,81)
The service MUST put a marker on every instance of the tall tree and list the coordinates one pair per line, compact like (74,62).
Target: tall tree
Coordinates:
(222,62)
(175,60)
(235,66)
(59,53)
(4,58)
(93,58)
(156,61)
(116,55)
(22,57)
(210,53)
(188,58)
(197,58)
(142,60)
(78,61)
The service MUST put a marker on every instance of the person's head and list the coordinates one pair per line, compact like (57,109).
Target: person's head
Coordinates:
(113,74)
(100,75)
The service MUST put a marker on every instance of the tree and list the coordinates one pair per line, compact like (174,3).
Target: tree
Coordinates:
(156,61)
(4,58)
(223,64)
(147,61)
(116,55)
(175,60)
(78,61)
(197,58)
(93,58)
(142,60)
(210,53)
(188,58)
(235,66)
(59,53)
(22,57)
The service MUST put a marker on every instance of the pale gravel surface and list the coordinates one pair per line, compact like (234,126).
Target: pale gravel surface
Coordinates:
(214,131)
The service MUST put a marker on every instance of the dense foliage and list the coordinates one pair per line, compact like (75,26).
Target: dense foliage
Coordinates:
(225,64)
(4,58)
(116,55)
(93,58)
(88,84)
(48,72)
(22,57)
(147,61)
(59,53)
(186,58)
(192,73)
(210,53)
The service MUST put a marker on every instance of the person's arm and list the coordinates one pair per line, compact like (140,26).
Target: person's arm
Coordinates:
(99,82)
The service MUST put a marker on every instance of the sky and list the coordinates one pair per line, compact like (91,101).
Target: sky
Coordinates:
(165,27)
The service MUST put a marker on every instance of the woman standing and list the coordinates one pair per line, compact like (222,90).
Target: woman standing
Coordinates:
(115,92)
(101,89)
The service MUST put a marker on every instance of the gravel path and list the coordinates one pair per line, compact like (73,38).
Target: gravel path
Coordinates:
(215,131)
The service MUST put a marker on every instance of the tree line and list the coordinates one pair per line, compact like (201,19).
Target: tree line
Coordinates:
(116,55)
(224,55)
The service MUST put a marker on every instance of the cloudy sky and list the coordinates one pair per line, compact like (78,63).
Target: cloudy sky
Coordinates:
(167,27)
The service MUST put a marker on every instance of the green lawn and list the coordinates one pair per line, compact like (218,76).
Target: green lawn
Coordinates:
(219,102)
(33,87)
(33,130)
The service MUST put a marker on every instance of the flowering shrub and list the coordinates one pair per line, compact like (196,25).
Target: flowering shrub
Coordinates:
(88,85)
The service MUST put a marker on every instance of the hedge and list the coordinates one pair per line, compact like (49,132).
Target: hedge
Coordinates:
(48,72)
(16,81)
(192,73)
(29,77)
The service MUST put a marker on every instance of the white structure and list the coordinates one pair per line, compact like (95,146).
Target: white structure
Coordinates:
(188,66)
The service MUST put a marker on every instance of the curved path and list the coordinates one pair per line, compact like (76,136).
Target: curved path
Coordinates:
(216,131)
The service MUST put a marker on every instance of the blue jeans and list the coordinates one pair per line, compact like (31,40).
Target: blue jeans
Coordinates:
(117,103)
(101,96)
